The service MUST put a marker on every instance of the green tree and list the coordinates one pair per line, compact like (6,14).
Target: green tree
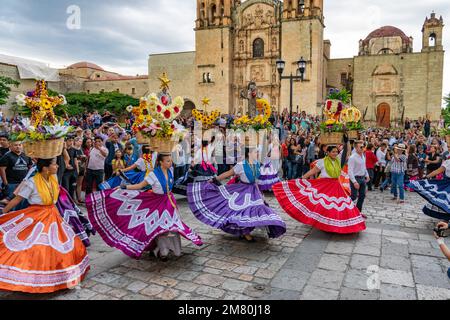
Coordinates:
(5,88)
(446,111)
(113,102)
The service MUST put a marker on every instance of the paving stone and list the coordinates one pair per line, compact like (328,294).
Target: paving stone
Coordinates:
(121,282)
(188,275)
(217,264)
(362,262)
(307,260)
(168,294)
(400,234)
(235,285)
(152,290)
(432,293)
(266,274)
(290,279)
(84,294)
(357,279)
(136,286)
(106,277)
(212,270)
(334,262)
(431,252)
(164,281)
(245,270)
(101,288)
(281,294)
(397,240)
(355,294)
(326,279)
(101,297)
(340,248)
(431,278)
(139,275)
(187,286)
(395,262)
(210,292)
(316,293)
(246,277)
(426,263)
(419,243)
(136,297)
(397,277)
(395,249)
(395,292)
(210,280)
(232,296)
(118,293)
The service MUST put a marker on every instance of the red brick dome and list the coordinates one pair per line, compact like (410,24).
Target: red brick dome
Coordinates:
(85,64)
(387,31)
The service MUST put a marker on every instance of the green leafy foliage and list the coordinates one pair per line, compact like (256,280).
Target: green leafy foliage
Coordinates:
(337,127)
(5,88)
(341,95)
(114,102)
(446,111)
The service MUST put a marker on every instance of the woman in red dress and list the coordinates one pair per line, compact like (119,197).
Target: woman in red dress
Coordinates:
(321,203)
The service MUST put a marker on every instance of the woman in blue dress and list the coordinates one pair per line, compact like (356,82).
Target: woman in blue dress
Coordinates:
(436,192)
(144,166)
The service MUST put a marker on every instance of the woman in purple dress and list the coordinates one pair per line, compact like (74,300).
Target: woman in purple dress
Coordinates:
(135,221)
(238,208)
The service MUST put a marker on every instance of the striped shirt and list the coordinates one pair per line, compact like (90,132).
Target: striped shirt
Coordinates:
(399,165)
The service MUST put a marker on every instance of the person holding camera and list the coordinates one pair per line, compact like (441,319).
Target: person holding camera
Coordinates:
(439,233)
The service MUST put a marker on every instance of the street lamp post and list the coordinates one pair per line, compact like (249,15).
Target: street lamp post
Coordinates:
(300,76)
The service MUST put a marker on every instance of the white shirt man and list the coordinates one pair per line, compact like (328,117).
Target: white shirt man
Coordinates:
(358,174)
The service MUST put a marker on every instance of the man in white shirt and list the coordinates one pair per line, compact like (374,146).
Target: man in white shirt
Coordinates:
(96,165)
(359,176)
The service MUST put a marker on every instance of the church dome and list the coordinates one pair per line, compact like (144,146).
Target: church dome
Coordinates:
(85,64)
(387,31)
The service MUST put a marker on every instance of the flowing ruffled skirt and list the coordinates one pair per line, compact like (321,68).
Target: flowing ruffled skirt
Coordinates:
(39,252)
(74,217)
(321,203)
(269,177)
(133,221)
(437,194)
(236,209)
(114,182)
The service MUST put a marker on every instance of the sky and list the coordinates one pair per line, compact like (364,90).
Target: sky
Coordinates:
(119,35)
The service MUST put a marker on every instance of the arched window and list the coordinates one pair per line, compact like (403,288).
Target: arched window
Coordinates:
(212,13)
(432,40)
(258,48)
(205,79)
(385,51)
(222,9)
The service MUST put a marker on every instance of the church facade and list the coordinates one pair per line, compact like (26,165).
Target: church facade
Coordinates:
(240,41)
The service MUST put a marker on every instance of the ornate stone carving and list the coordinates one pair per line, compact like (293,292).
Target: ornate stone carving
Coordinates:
(258,73)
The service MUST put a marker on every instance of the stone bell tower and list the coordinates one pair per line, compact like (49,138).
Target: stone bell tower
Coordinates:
(302,36)
(432,34)
(213,45)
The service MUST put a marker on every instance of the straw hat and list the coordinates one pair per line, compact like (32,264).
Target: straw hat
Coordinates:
(401,146)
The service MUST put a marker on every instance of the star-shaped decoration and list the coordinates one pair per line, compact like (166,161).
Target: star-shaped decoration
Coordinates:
(164,81)
(206,101)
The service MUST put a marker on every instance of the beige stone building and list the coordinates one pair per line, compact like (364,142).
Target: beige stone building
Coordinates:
(240,41)
(79,77)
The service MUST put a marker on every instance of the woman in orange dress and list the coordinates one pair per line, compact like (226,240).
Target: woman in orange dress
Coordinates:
(39,252)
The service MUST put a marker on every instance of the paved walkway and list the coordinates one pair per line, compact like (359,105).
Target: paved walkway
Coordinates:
(396,258)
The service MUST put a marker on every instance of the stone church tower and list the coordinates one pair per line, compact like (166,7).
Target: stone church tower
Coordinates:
(240,41)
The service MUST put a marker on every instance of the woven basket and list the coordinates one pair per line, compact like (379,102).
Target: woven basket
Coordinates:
(162,145)
(447,139)
(47,149)
(332,138)
(353,135)
(142,139)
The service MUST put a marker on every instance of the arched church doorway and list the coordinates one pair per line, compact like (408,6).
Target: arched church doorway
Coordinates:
(384,115)
(187,109)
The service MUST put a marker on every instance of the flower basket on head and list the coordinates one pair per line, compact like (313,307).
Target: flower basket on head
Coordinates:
(142,139)
(46,149)
(43,135)
(332,138)
(163,145)
(204,118)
